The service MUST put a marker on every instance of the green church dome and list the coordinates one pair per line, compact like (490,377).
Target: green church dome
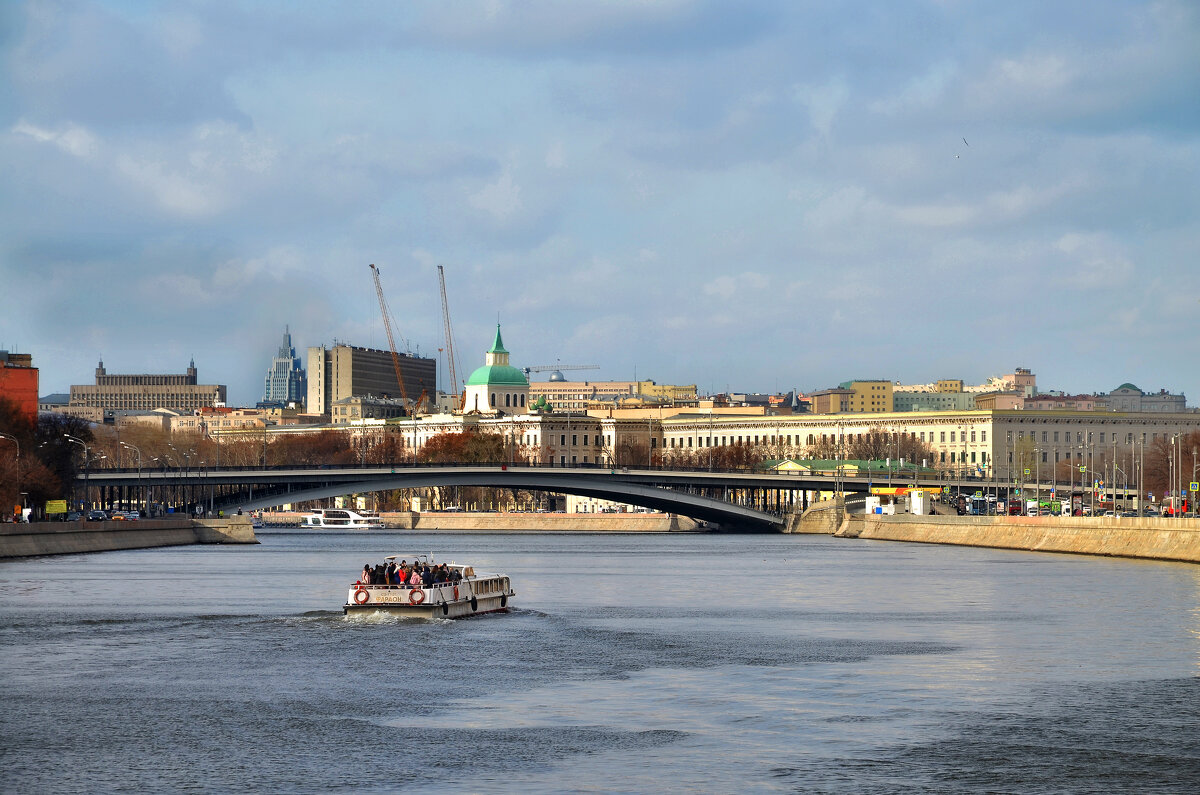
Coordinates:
(499,374)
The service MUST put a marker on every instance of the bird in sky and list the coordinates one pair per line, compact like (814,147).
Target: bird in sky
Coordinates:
(965,141)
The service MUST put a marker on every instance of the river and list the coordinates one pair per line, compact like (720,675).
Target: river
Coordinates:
(631,663)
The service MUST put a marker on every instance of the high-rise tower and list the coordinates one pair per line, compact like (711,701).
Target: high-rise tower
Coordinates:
(286,382)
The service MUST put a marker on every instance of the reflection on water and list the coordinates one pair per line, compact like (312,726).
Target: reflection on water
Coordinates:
(630,663)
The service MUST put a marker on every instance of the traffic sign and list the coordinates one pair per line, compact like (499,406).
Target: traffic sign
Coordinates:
(1194,486)
(1083,469)
(1026,471)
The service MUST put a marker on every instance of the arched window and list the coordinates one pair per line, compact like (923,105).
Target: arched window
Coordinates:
(522,401)
(493,400)
(508,400)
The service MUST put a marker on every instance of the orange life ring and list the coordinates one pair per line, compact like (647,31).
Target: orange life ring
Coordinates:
(456,592)
(416,596)
(361,596)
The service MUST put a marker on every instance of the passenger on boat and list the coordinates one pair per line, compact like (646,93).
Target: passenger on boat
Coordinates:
(365,577)
(415,577)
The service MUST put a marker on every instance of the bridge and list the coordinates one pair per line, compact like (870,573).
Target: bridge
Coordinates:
(739,500)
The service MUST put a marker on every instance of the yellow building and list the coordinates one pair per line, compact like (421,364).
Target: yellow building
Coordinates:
(869,397)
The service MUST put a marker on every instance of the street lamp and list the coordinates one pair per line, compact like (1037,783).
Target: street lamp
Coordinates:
(1037,469)
(141,485)
(14,441)
(86,462)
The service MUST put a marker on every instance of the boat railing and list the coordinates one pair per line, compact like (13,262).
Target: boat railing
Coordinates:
(486,583)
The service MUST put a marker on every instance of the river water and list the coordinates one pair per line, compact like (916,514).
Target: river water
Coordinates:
(632,663)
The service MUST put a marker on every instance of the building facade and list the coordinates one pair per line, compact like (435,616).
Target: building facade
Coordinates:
(345,371)
(285,383)
(19,383)
(579,395)
(990,444)
(175,391)
(1128,397)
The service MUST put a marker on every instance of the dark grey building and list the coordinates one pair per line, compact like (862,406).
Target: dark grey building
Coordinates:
(345,371)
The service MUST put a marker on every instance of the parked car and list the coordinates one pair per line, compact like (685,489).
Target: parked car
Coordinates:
(1151,511)
(97,516)
(116,516)
(132,516)
(72,516)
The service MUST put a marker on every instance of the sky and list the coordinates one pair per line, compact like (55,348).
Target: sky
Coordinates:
(750,196)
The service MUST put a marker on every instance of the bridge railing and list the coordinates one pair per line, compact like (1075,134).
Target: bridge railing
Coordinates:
(896,475)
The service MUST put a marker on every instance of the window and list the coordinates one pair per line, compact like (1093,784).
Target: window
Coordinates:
(983,436)
(562,438)
(493,398)
(972,436)
(952,433)
(1045,456)
(943,439)
(585,444)
(1056,436)
(1102,437)
(574,439)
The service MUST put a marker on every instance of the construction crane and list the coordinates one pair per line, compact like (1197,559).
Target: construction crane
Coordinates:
(387,326)
(541,368)
(451,364)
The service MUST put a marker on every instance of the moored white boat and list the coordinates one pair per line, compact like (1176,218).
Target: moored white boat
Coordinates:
(467,593)
(341,519)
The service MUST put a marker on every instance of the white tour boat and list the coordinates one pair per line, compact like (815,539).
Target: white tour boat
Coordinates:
(341,519)
(468,593)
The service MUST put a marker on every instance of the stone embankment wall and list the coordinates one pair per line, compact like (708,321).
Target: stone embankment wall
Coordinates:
(1151,538)
(820,518)
(508,522)
(68,538)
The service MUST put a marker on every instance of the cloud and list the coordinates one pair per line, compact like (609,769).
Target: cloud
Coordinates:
(71,138)
(690,170)
(500,199)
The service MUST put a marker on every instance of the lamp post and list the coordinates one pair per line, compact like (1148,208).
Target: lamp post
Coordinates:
(649,442)
(710,438)
(141,486)
(1171,473)
(86,462)
(15,441)
(1037,478)
(1141,495)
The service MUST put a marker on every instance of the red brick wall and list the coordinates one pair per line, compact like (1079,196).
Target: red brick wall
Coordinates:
(20,385)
